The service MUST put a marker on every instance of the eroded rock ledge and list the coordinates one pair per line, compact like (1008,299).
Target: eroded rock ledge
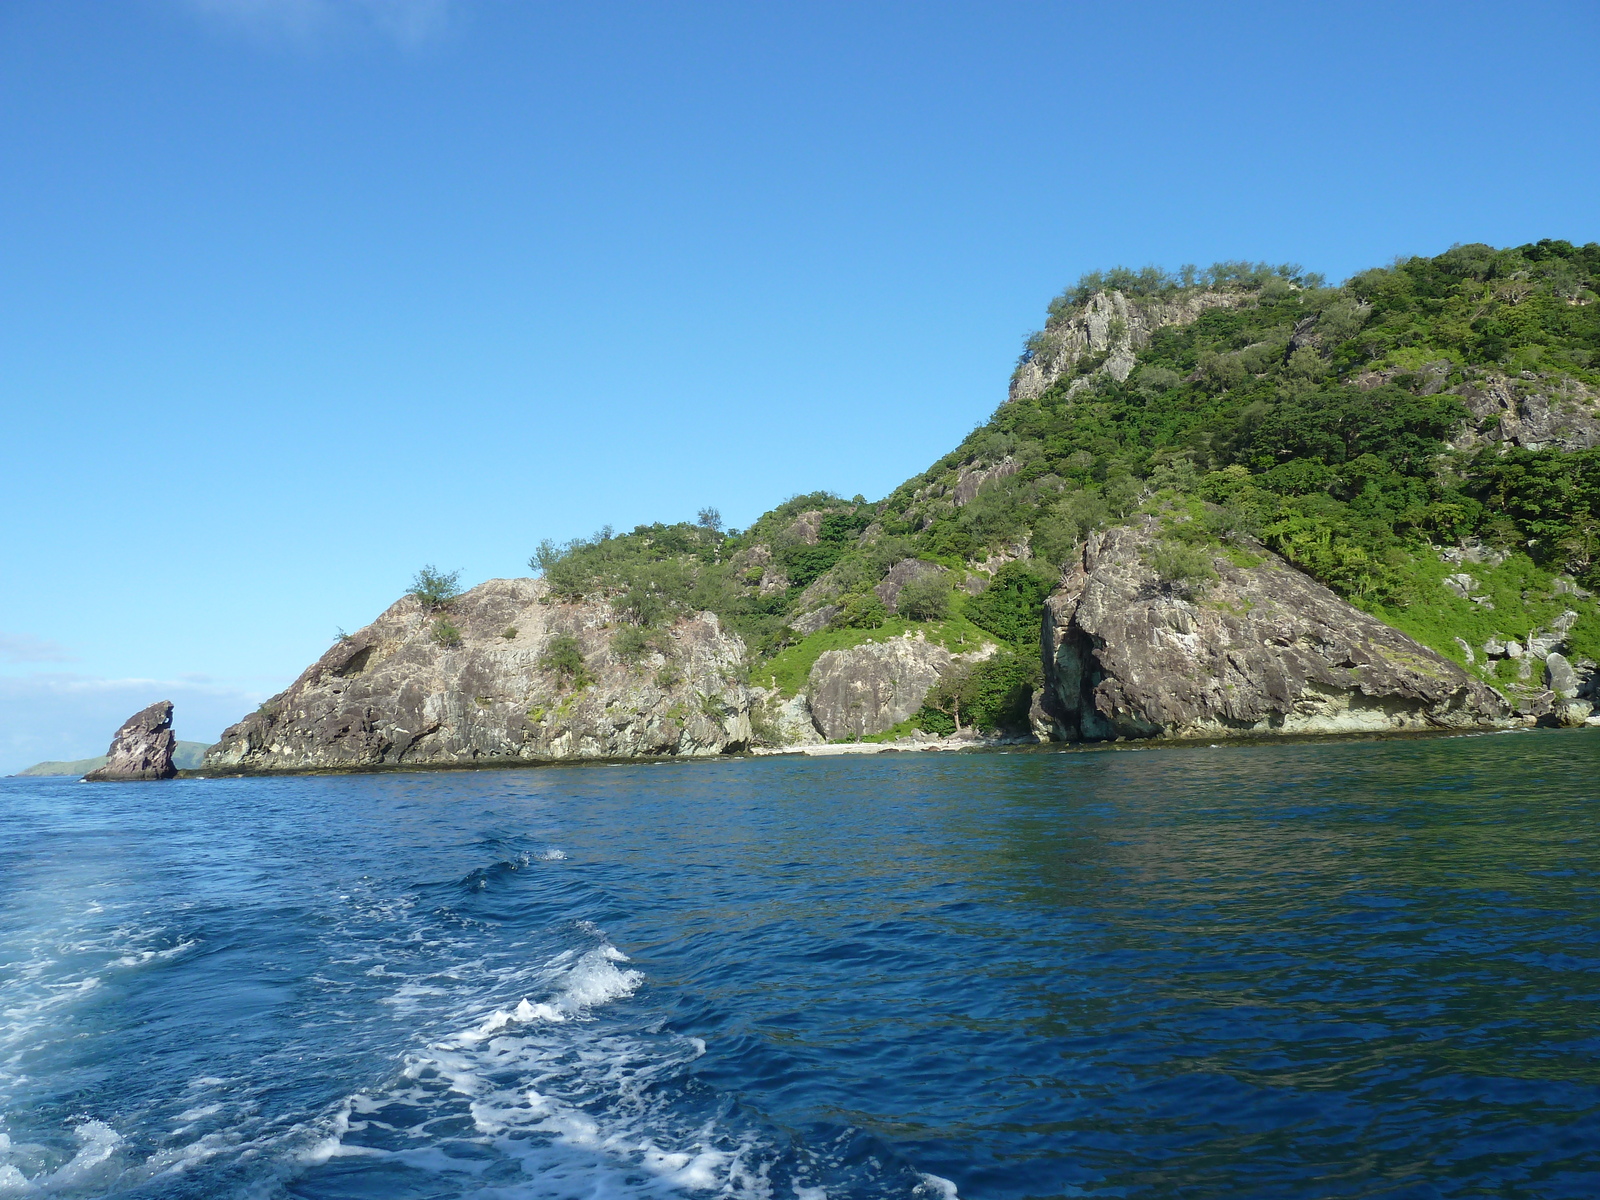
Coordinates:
(1264,649)
(395,694)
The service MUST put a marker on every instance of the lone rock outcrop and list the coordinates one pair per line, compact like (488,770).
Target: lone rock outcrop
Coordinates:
(142,748)
(1262,649)
(474,683)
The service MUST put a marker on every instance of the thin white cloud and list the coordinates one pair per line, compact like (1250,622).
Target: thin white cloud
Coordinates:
(25,648)
(409,23)
(68,717)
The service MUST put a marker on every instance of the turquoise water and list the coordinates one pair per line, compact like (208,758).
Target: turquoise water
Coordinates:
(1361,969)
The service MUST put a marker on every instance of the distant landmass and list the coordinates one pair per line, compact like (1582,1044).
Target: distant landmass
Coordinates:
(187,758)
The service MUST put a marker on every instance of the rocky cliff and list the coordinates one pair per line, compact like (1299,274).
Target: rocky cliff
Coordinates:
(1259,649)
(142,749)
(475,683)
(1108,324)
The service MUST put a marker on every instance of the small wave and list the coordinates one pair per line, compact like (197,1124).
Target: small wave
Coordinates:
(98,1143)
(591,981)
(140,957)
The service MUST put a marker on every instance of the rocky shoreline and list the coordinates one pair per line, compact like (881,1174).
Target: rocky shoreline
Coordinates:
(905,747)
(1254,649)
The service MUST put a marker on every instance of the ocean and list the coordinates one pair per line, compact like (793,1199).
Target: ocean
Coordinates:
(1275,971)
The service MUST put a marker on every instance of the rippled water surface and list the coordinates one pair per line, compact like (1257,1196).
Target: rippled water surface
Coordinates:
(1295,971)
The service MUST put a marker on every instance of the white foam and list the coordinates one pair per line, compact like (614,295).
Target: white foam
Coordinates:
(139,958)
(99,1143)
(591,981)
(935,1186)
(552,855)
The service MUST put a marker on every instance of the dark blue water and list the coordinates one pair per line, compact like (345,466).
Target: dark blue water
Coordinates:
(1366,969)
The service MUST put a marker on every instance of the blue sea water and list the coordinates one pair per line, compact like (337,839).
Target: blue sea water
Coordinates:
(1354,969)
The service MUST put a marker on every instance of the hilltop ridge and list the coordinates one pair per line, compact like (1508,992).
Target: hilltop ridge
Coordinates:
(1420,440)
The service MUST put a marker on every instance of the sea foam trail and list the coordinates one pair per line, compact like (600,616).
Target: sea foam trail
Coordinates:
(544,1098)
(319,1033)
(569,1104)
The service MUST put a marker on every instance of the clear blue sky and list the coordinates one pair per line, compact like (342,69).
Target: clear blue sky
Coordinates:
(299,295)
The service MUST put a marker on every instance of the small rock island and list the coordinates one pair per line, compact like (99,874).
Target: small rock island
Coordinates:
(142,749)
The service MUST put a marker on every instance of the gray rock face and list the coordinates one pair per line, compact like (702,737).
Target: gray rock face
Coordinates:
(972,478)
(1571,687)
(808,623)
(1109,324)
(805,527)
(395,693)
(1533,412)
(1559,676)
(786,722)
(1263,649)
(142,748)
(873,687)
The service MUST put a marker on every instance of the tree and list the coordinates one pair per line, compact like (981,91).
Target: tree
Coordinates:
(945,701)
(862,611)
(564,657)
(925,598)
(710,518)
(1012,606)
(434,588)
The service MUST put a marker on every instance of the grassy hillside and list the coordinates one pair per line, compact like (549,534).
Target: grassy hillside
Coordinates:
(1344,427)
(187,757)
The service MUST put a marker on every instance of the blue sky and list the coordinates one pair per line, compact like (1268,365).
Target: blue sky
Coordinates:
(298,295)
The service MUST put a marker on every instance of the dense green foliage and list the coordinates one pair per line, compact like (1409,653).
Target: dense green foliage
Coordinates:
(1010,606)
(1317,419)
(992,695)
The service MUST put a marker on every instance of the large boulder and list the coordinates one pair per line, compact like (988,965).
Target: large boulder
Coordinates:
(1262,649)
(469,684)
(870,688)
(142,749)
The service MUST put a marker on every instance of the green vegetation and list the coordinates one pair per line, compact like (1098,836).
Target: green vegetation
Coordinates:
(445,632)
(991,695)
(1011,606)
(434,588)
(790,668)
(925,598)
(632,644)
(1181,565)
(563,657)
(1330,424)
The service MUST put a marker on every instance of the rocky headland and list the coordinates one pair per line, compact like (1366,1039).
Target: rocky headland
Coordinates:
(473,683)
(1223,503)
